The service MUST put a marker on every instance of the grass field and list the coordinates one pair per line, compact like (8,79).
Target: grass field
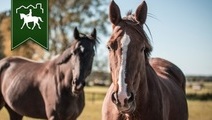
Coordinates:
(198,110)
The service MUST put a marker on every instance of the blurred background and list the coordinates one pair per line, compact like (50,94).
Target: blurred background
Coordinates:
(180,31)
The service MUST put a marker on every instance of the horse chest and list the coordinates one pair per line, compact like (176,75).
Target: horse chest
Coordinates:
(69,105)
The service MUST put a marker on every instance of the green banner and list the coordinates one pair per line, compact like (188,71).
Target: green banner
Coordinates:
(29,22)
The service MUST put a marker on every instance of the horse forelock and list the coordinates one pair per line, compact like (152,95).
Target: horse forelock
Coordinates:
(89,38)
(130,20)
(131,17)
(137,28)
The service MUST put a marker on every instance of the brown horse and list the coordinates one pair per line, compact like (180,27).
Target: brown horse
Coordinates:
(142,88)
(51,90)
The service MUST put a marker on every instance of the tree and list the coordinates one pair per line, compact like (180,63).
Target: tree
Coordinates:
(67,14)
(1,47)
(2,16)
(85,14)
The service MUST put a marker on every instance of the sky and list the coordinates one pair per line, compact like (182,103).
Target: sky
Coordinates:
(181,31)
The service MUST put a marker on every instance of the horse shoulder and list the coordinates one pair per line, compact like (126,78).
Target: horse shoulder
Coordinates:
(172,84)
(51,77)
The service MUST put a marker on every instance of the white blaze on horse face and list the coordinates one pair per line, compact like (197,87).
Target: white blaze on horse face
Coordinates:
(122,91)
(82,48)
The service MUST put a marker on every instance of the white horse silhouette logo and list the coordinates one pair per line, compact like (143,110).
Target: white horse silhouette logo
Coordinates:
(29,18)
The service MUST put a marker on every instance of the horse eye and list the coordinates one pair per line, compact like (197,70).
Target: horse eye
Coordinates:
(142,49)
(108,47)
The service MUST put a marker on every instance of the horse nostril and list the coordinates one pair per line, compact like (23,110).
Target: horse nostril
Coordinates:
(114,98)
(131,98)
(83,83)
(74,82)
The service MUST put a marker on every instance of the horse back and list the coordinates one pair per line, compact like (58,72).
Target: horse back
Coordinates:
(168,71)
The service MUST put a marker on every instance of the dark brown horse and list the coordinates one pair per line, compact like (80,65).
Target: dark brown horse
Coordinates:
(142,88)
(51,90)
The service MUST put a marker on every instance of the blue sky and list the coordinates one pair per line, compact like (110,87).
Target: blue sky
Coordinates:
(182,31)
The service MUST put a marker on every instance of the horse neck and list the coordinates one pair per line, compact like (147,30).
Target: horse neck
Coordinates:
(147,87)
(64,71)
(152,79)
(143,90)
(152,98)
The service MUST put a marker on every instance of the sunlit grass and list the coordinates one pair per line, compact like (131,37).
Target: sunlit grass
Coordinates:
(200,110)
(92,111)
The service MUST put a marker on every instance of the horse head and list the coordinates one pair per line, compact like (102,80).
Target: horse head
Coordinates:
(80,56)
(22,15)
(128,52)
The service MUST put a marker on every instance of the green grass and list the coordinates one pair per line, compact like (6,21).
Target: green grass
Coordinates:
(198,110)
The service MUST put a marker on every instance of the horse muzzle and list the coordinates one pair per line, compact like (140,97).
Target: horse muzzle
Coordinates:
(77,86)
(129,103)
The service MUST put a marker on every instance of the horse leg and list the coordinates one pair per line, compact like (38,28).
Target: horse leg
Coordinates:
(13,115)
(33,25)
(2,103)
(38,25)
(23,25)
(28,25)
(51,113)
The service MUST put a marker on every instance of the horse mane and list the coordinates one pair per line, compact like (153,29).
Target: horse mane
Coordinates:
(66,55)
(4,65)
(131,20)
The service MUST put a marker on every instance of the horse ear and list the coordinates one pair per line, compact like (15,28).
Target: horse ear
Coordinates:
(114,13)
(76,33)
(93,34)
(141,13)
